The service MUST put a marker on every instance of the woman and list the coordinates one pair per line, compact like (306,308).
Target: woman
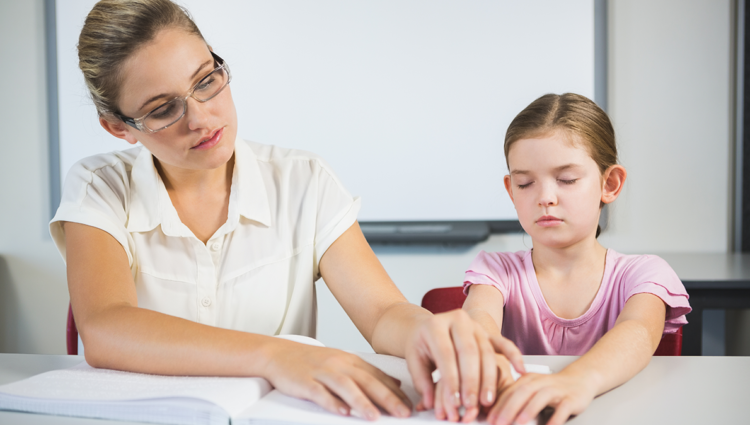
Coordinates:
(186,254)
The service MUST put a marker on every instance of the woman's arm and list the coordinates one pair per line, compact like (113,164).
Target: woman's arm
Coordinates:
(452,342)
(618,356)
(119,335)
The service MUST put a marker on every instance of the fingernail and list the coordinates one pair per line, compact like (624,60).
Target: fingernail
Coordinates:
(344,411)
(371,414)
(489,396)
(456,399)
(471,400)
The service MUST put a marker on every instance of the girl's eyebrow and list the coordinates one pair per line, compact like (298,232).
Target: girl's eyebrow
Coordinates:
(192,77)
(557,169)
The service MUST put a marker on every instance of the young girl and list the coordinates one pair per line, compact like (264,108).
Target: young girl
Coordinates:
(187,254)
(569,295)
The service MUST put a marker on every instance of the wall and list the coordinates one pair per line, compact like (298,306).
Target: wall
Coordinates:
(33,292)
(670,85)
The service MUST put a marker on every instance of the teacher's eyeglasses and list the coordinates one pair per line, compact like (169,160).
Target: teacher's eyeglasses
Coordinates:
(171,112)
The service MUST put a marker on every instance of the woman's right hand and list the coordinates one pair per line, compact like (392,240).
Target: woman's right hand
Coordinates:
(339,382)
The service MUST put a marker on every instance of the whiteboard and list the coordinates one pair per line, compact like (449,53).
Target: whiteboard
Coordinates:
(408,100)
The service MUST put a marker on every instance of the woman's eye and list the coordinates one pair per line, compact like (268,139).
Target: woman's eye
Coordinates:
(164,110)
(567,181)
(525,185)
(205,84)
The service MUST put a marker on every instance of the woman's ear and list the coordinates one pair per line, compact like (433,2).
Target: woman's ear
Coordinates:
(509,187)
(613,181)
(118,129)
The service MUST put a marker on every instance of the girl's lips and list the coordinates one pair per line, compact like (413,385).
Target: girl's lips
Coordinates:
(549,221)
(211,142)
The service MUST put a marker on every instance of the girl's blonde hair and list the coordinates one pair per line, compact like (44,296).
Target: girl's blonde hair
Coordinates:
(577,116)
(113,30)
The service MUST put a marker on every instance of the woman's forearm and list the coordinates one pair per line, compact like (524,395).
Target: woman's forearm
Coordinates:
(396,326)
(130,338)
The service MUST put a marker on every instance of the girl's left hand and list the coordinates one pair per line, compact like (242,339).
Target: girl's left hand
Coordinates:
(522,401)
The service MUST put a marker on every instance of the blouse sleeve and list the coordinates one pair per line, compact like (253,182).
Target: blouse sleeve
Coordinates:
(652,275)
(336,209)
(488,269)
(95,194)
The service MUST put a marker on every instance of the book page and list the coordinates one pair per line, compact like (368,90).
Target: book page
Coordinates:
(86,384)
(277,408)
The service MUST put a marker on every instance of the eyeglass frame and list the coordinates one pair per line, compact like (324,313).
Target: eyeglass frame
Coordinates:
(138,124)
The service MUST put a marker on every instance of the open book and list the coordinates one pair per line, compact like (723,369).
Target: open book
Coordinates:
(100,393)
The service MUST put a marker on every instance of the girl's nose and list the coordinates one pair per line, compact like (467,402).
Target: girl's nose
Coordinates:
(548,197)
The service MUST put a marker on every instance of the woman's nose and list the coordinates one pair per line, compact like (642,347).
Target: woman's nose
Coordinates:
(197,114)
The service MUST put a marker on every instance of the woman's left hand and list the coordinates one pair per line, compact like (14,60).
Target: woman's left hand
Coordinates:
(522,401)
(464,354)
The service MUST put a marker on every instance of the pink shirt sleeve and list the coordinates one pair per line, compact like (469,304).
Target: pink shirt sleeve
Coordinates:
(488,269)
(652,275)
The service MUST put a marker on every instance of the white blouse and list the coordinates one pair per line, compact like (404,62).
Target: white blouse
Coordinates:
(256,273)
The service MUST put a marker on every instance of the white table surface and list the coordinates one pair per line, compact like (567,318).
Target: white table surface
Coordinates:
(671,390)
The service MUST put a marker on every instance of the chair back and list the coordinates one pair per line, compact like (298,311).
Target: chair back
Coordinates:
(71,333)
(440,300)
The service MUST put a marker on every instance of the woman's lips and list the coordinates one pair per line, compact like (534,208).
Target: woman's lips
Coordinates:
(210,142)
(549,221)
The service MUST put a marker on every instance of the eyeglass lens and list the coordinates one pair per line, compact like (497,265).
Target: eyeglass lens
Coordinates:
(168,113)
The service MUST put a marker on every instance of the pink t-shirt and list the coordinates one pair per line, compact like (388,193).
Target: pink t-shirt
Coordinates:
(535,329)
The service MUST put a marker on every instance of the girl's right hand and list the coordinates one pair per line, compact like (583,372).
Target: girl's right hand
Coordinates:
(340,382)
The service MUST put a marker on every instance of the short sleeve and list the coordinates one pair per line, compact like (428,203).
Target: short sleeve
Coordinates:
(95,193)
(488,269)
(652,275)
(337,210)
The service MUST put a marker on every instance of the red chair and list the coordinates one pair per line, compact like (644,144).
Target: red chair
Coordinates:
(71,333)
(440,300)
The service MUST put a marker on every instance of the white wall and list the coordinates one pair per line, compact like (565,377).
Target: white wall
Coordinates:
(33,292)
(670,100)
(670,86)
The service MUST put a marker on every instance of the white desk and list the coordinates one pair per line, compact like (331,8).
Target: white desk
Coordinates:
(671,390)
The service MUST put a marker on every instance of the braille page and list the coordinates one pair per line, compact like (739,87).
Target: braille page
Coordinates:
(102,393)
(279,409)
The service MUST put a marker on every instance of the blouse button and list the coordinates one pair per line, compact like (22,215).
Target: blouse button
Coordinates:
(215,246)
(206,301)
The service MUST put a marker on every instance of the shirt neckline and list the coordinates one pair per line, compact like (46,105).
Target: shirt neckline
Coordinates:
(596,304)
(151,206)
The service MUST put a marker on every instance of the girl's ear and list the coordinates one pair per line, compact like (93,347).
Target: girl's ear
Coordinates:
(509,187)
(614,179)
(118,129)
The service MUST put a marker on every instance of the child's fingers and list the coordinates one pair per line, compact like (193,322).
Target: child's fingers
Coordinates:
(509,349)
(539,401)
(511,402)
(562,412)
(470,415)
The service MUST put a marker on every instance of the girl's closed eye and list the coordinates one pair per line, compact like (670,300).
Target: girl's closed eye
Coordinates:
(524,185)
(567,181)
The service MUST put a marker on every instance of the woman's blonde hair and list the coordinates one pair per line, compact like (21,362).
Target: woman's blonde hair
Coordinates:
(113,30)
(577,116)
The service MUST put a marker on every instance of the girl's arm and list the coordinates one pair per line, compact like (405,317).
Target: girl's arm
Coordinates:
(618,356)
(119,335)
(459,347)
